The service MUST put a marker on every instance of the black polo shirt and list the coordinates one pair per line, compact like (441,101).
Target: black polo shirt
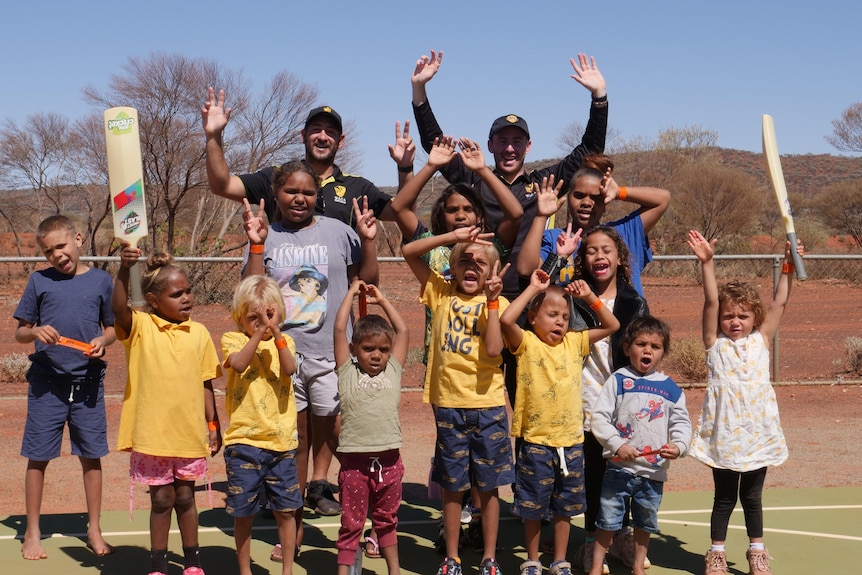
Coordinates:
(335,198)
(526,185)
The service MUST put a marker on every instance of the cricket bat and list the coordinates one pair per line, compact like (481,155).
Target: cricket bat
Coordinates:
(126,183)
(776,175)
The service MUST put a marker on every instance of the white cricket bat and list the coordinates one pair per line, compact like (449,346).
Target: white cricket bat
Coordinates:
(776,175)
(126,183)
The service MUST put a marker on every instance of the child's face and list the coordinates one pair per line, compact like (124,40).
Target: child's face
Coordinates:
(458,213)
(60,248)
(586,202)
(372,353)
(175,301)
(645,352)
(601,257)
(735,320)
(551,321)
(296,200)
(471,270)
(252,321)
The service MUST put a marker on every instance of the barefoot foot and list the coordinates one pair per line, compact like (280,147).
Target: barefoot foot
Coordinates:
(32,547)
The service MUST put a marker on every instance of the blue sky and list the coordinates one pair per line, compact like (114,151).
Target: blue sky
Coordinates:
(720,65)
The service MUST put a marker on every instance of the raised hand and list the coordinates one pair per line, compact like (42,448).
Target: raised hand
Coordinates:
(494,283)
(471,154)
(441,152)
(255,226)
(366,223)
(703,249)
(568,242)
(213,113)
(472,234)
(609,187)
(548,199)
(587,75)
(580,289)
(128,255)
(540,280)
(426,67)
(404,150)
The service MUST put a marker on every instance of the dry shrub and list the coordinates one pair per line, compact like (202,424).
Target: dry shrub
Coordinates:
(853,345)
(13,367)
(689,358)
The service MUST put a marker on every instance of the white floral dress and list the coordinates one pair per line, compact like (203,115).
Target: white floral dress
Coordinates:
(739,427)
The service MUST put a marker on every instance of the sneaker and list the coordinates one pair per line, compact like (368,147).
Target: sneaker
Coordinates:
(758,562)
(716,563)
(193,571)
(319,498)
(584,558)
(561,568)
(449,567)
(623,548)
(489,566)
(531,568)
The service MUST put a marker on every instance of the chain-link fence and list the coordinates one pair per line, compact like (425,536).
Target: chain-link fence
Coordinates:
(820,337)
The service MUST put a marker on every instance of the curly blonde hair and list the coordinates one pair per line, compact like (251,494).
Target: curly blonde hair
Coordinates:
(253,292)
(745,295)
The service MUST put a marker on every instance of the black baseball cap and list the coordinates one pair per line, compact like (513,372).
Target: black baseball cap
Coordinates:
(506,121)
(324,111)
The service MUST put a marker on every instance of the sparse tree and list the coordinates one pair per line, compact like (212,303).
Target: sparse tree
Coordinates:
(570,138)
(840,208)
(847,131)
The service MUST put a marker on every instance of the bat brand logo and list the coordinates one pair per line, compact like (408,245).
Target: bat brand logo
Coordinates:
(131,223)
(121,124)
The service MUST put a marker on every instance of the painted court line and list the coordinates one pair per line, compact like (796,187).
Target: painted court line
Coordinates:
(800,508)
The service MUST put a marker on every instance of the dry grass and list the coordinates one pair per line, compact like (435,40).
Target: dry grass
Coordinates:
(13,367)
(853,345)
(689,359)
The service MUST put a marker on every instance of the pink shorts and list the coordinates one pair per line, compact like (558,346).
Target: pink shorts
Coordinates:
(160,470)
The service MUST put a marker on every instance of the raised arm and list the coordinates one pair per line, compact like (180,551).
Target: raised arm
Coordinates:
(547,204)
(414,251)
(609,322)
(472,157)
(342,318)
(512,332)
(403,153)
(652,201)
(402,334)
(215,118)
(120,298)
(256,231)
(426,68)
(493,332)
(775,311)
(366,228)
(704,250)
(404,202)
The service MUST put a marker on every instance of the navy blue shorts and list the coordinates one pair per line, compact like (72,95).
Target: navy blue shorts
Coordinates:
(51,403)
(250,468)
(473,448)
(541,484)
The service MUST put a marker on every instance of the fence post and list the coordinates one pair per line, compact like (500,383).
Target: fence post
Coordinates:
(776,351)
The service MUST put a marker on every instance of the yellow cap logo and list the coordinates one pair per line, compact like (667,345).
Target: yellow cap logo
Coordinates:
(512,118)
(327,109)
(340,191)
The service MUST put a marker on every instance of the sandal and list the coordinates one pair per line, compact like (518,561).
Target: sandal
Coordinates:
(374,552)
(278,556)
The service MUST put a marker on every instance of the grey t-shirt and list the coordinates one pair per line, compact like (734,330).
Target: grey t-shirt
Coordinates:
(369,408)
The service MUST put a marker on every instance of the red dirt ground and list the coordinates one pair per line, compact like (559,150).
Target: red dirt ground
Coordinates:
(815,417)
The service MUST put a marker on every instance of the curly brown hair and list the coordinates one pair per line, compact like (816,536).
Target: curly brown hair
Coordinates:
(745,295)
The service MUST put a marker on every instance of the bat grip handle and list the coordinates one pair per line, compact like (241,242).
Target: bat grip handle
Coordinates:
(363,305)
(137,294)
(798,264)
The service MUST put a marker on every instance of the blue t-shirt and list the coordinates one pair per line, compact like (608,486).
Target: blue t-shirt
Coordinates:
(631,228)
(78,307)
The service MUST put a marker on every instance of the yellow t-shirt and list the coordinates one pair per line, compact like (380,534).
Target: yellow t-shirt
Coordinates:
(163,407)
(459,372)
(259,402)
(548,407)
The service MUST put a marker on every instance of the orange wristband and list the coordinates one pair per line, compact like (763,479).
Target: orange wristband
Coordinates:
(624,193)
(255,248)
(787,268)
(280,343)
(596,305)
(493,304)
(212,425)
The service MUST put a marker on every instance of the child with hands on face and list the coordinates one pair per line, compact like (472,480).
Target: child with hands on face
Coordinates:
(369,366)
(168,420)
(261,440)
(547,413)
(465,382)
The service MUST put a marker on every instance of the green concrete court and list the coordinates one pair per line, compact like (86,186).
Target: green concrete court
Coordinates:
(808,531)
